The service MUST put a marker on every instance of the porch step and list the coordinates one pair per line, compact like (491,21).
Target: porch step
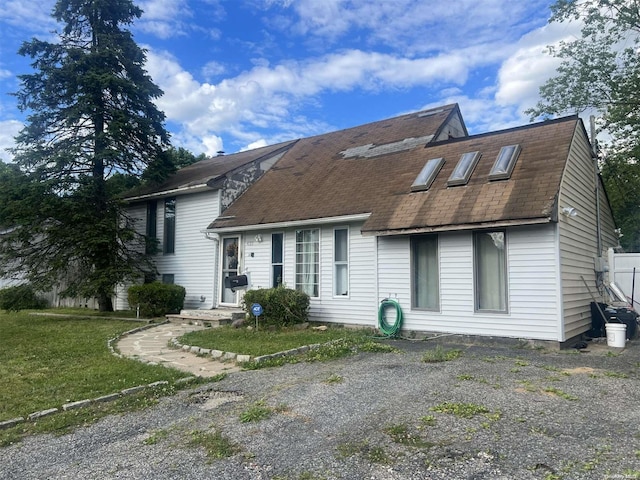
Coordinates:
(215,317)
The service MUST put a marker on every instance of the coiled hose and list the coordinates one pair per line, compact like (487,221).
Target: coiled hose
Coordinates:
(385,328)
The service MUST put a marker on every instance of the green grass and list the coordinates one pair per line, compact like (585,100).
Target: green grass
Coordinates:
(46,362)
(265,342)
(215,444)
(440,354)
(463,410)
(256,412)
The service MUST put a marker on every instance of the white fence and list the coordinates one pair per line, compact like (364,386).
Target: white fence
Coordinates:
(622,267)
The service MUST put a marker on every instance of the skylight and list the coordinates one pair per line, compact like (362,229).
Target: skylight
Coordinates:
(464,169)
(504,163)
(428,174)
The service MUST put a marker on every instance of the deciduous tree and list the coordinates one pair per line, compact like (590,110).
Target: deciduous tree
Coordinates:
(600,71)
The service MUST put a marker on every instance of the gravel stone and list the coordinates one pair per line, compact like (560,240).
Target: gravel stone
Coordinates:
(497,413)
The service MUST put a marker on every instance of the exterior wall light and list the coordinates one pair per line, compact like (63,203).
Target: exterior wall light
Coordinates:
(570,212)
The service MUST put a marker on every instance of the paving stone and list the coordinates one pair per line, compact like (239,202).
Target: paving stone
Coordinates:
(243,358)
(11,423)
(229,356)
(129,391)
(42,413)
(108,398)
(74,405)
(217,353)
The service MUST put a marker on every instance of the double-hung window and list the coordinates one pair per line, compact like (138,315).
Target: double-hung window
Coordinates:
(308,261)
(169,245)
(425,272)
(341,261)
(489,249)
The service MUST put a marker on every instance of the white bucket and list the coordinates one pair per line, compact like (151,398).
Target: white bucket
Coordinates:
(616,334)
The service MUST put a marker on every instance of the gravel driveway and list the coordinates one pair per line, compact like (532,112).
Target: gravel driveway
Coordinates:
(497,412)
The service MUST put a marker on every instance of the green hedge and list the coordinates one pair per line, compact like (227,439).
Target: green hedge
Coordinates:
(20,297)
(156,299)
(281,306)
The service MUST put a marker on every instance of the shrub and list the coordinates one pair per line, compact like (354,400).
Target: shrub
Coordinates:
(156,299)
(20,297)
(282,306)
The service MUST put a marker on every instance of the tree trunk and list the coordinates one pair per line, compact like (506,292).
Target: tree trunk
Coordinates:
(104,303)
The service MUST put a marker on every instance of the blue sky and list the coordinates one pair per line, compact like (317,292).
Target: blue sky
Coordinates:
(238,74)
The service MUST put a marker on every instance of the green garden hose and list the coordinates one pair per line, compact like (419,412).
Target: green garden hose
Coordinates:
(385,328)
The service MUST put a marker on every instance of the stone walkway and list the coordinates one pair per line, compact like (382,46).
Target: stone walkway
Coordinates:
(152,345)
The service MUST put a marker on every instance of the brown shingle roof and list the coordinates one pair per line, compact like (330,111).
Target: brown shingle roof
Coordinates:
(208,170)
(315,180)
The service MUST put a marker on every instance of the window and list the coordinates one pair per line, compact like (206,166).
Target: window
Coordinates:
(169,225)
(425,272)
(428,174)
(168,278)
(504,163)
(341,262)
(308,261)
(152,231)
(490,271)
(277,250)
(464,169)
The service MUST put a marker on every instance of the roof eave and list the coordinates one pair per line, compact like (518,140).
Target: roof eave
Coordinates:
(360,217)
(456,228)
(200,187)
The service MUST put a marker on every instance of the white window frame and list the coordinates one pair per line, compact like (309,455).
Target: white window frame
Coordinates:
(312,248)
(481,277)
(339,264)
(414,283)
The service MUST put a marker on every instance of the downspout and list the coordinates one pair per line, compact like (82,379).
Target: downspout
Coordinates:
(594,156)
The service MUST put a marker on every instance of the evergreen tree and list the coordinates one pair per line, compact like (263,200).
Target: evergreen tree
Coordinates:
(91,116)
(600,71)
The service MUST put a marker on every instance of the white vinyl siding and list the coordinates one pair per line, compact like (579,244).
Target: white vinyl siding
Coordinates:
(531,272)
(578,236)
(358,308)
(193,263)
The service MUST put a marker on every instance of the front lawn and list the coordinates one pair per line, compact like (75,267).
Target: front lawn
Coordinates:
(265,342)
(48,361)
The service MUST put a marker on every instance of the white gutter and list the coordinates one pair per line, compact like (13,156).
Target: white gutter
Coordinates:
(455,228)
(173,191)
(293,223)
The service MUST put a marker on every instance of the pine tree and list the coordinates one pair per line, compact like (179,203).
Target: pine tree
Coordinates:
(90,116)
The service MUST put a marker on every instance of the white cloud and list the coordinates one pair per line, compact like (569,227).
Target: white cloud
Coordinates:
(411,25)
(265,96)
(8,130)
(526,70)
(25,15)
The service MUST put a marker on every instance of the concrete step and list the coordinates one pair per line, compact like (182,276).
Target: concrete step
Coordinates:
(214,317)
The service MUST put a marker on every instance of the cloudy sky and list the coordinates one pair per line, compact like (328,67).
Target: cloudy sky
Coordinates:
(237,74)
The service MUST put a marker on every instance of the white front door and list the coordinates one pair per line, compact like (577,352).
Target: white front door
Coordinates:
(230,268)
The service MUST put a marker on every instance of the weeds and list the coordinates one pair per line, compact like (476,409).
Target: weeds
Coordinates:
(440,354)
(258,411)
(462,410)
(333,378)
(215,444)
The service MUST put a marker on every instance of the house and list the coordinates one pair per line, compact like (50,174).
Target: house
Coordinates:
(488,234)
(176,212)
